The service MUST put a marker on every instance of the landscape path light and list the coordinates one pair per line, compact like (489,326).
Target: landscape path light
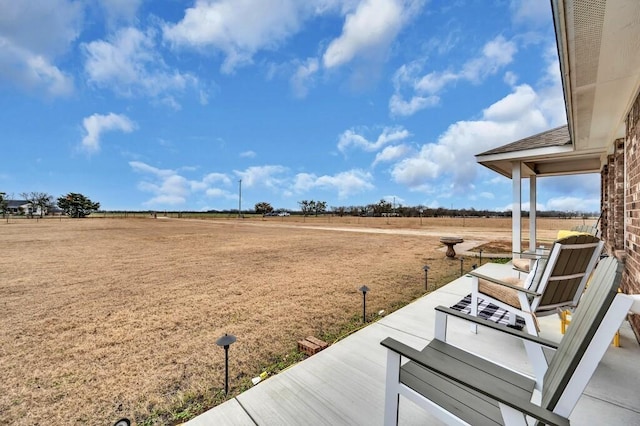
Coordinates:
(226,341)
(461,265)
(364,289)
(426,277)
(480,257)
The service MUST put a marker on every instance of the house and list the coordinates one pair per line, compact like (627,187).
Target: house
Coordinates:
(598,46)
(19,207)
(22,207)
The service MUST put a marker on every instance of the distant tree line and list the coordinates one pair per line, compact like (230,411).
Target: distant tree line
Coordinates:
(73,204)
(78,205)
(384,208)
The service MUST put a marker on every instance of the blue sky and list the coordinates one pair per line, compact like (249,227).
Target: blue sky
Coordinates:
(166,105)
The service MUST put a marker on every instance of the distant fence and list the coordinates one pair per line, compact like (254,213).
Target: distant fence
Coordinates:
(548,223)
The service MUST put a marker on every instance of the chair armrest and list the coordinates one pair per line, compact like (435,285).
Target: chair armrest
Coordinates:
(440,366)
(533,254)
(499,327)
(502,283)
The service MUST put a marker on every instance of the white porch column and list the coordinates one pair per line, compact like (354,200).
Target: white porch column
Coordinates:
(533,208)
(516,219)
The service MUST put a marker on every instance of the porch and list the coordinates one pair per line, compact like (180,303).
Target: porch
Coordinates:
(344,384)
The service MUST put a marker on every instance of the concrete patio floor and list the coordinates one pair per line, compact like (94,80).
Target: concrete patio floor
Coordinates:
(344,384)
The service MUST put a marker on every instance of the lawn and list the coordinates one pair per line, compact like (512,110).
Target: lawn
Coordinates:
(106,318)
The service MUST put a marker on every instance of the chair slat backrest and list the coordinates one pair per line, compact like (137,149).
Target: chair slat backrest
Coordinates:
(592,229)
(585,321)
(567,270)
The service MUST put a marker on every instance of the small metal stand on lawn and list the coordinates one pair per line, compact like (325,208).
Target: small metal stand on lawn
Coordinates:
(426,277)
(480,257)
(226,341)
(461,265)
(364,289)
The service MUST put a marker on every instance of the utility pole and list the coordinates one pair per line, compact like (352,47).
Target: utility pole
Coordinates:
(240,198)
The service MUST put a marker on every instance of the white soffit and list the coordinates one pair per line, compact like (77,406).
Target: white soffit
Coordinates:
(603,40)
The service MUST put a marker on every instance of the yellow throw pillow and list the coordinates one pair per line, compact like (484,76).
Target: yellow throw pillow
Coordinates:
(565,233)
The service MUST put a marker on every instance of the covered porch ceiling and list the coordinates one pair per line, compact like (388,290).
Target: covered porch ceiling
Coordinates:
(598,45)
(550,153)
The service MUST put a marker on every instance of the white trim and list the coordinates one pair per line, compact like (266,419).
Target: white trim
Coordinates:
(528,154)
(516,208)
(594,353)
(533,208)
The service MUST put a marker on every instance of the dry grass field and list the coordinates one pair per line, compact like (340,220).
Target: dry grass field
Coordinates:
(109,318)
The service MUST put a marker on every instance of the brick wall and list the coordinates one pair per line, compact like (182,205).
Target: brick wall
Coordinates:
(631,278)
(612,177)
(604,203)
(619,195)
(607,233)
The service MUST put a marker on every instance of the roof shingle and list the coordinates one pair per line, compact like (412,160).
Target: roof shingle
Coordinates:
(554,137)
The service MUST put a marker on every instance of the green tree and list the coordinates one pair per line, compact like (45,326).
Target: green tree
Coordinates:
(77,205)
(3,203)
(263,207)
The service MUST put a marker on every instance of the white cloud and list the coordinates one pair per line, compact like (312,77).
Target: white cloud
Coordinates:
(44,27)
(303,77)
(515,116)
(34,71)
(434,82)
(551,92)
(203,97)
(571,185)
(487,195)
(424,90)
(32,35)
(392,153)
(394,200)
(128,64)
(212,178)
(573,204)
(369,30)
(262,176)
(248,154)
(117,11)
(513,106)
(532,12)
(398,106)
(495,54)
(389,135)
(221,193)
(167,186)
(215,178)
(346,183)
(414,171)
(510,78)
(95,125)
(170,188)
(238,28)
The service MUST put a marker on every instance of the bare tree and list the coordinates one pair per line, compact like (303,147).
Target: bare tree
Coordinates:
(39,201)
(305,206)
(320,207)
